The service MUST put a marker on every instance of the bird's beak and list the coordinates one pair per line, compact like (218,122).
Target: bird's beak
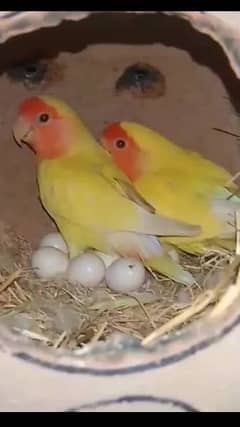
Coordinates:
(22,131)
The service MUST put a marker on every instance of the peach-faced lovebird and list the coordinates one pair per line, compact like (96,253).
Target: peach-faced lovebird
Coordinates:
(179,183)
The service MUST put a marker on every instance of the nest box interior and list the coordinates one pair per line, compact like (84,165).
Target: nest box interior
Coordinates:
(153,69)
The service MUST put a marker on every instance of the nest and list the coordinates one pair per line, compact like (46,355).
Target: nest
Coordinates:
(58,314)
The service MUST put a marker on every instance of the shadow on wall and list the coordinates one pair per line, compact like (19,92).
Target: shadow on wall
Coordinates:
(126,29)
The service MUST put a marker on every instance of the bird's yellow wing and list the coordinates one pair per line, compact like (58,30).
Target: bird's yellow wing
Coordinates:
(85,195)
(183,196)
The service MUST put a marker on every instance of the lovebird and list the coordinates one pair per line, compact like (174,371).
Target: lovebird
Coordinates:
(178,183)
(91,201)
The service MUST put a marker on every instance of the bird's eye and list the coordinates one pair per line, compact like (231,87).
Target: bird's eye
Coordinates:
(44,117)
(120,143)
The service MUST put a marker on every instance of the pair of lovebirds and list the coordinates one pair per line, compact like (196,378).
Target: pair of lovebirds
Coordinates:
(135,194)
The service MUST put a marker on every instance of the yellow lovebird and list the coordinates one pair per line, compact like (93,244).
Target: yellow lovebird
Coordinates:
(179,183)
(92,202)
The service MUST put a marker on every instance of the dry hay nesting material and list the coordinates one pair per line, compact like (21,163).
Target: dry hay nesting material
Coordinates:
(58,314)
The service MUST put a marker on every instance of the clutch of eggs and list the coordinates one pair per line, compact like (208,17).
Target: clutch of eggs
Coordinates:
(89,269)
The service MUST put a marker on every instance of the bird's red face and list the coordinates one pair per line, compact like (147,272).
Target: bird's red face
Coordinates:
(123,149)
(40,125)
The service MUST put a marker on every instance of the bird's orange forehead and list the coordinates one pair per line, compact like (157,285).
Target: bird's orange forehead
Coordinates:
(113,131)
(34,105)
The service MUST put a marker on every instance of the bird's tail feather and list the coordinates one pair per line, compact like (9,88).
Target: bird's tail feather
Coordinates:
(165,265)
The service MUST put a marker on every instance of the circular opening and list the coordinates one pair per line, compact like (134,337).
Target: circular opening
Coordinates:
(31,69)
(86,60)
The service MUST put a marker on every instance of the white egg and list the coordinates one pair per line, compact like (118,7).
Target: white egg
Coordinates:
(107,259)
(125,275)
(87,270)
(54,240)
(49,263)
